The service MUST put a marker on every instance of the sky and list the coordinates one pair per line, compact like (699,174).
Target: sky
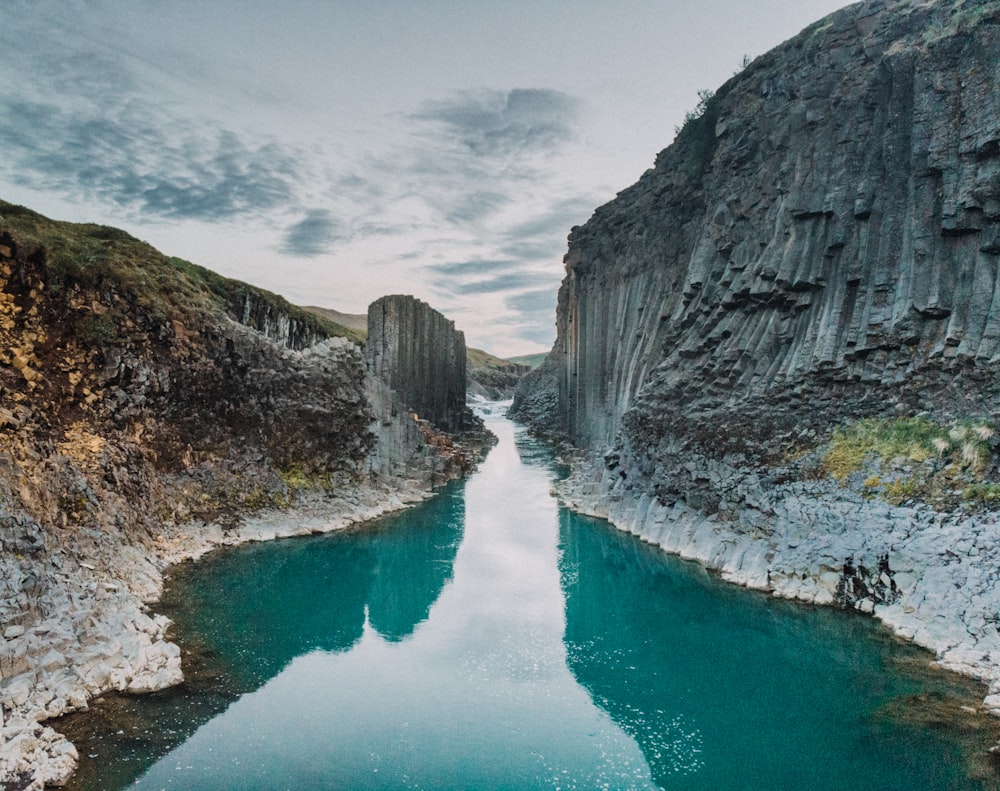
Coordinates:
(335,151)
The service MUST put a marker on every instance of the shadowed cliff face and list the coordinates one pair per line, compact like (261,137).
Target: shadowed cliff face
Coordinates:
(823,242)
(419,354)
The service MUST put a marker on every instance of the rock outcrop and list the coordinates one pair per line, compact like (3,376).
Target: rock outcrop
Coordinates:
(149,410)
(419,354)
(818,245)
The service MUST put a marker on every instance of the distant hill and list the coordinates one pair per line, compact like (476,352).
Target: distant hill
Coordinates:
(358,322)
(492,377)
(530,360)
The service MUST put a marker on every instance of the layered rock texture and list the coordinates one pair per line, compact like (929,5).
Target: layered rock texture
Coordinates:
(149,410)
(818,245)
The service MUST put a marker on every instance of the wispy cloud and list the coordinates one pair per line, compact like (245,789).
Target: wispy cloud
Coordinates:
(493,123)
(475,268)
(476,206)
(540,301)
(81,123)
(312,235)
(457,193)
(499,284)
(543,236)
(129,156)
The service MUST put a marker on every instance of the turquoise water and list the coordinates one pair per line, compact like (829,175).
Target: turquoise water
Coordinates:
(490,640)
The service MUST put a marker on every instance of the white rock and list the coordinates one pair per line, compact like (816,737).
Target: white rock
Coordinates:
(15,693)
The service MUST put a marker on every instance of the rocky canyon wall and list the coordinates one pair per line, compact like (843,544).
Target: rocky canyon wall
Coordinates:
(822,241)
(149,411)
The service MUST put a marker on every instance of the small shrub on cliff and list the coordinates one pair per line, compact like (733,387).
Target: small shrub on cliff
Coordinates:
(986,494)
(697,134)
(899,492)
(98,331)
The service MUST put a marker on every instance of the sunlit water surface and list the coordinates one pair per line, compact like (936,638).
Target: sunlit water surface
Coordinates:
(490,640)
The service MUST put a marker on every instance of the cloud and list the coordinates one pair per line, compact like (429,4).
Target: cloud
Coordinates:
(486,276)
(475,267)
(540,332)
(491,123)
(129,156)
(311,236)
(540,301)
(504,282)
(79,122)
(475,206)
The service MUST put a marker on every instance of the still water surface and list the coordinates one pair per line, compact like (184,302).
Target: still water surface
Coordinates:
(489,639)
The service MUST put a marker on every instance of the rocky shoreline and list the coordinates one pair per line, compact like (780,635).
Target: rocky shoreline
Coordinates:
(100,634)
(931,577)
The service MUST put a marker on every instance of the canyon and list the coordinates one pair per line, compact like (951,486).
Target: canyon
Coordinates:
(151,410)
(777,354)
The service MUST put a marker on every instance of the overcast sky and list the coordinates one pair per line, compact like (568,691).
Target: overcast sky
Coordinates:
(338,150)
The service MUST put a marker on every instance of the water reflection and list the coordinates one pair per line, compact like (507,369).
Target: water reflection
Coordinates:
(243,615)
(722,688)
(479,697)
(547,651)
(262,609)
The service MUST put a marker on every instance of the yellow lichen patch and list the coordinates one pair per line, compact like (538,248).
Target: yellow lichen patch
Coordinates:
(81,445)
(25,363)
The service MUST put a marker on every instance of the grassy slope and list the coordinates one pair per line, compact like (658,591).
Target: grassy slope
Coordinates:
(91,255)
(356,322)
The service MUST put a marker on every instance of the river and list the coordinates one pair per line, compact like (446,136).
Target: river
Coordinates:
(488,639)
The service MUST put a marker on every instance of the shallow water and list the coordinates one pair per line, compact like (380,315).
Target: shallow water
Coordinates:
(489,639)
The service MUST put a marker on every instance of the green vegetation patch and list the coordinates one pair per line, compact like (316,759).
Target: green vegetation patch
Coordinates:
(697,134)
(913,439)
(916,458)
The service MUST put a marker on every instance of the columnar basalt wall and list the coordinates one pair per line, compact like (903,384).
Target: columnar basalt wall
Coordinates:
(822,242)
(419,354)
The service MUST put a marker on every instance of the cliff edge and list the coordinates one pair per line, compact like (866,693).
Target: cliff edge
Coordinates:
(821,241)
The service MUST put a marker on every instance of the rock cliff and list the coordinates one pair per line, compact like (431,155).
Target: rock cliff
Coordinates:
(419,354)
(813,258)
(822,241)
(149,410)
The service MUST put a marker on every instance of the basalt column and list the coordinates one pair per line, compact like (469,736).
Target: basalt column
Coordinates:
(419,354)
